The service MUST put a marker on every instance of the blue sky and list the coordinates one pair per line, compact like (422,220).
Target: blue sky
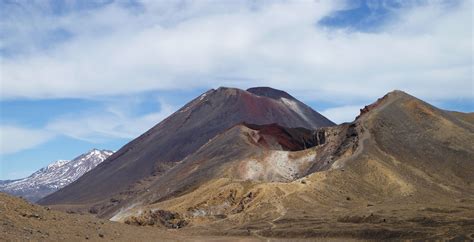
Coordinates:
(77,75)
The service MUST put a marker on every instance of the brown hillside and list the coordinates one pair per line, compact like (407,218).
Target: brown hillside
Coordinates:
(403,169)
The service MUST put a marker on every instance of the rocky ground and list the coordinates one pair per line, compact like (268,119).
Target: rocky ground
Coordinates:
(22,221)
(350,220)
(308,209)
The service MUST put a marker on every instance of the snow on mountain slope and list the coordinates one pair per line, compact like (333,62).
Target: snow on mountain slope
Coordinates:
(54,176)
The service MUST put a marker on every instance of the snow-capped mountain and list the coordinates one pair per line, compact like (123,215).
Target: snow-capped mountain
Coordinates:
(54,176)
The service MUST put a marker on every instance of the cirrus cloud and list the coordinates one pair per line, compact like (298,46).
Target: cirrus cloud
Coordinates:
(117,120)
(15,138)
(113,122)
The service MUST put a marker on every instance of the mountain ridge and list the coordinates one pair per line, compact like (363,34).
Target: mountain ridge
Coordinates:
(388,174)
(401,156)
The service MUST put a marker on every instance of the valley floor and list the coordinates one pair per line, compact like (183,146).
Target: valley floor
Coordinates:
(424,221)
(23,221)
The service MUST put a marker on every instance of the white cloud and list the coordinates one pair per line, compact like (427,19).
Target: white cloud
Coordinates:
(15,138)
(343,113)
(427,51)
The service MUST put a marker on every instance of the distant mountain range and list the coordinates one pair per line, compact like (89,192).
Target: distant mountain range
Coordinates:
(258,161)
(54,176)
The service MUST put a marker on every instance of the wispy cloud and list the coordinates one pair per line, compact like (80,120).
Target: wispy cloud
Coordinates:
(343,113)
(113,122)
(14,138)
(160,45)
(118,119)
